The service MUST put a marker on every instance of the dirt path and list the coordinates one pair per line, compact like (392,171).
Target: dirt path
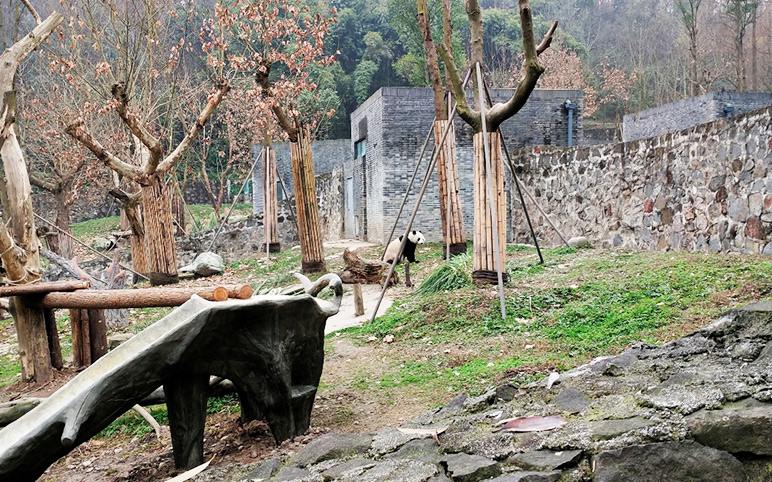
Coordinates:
(346,317)
(370,294)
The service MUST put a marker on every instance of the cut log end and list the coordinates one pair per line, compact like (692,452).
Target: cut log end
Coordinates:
(241,292)
(220,294)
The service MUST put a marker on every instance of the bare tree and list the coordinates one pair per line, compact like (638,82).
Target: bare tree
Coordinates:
(136,54)
(741,14)
(485,268)
(689,10)
(19,249)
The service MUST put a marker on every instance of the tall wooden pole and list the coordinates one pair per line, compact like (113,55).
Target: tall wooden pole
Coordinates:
(309,230)
(270,201)
(453,235)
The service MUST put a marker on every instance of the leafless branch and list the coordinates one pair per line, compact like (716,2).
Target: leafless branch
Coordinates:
(32,11)
(203,117)
(135,126)
(79,132)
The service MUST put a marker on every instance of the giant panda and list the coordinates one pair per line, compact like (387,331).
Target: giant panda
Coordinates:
(414,238)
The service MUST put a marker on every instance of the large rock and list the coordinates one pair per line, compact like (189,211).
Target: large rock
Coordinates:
(332,446)
(745,426)
(673,461)
(579,242)
(471,468)
(205,264)
(546,459)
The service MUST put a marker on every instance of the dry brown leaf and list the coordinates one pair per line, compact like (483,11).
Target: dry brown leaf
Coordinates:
(191,473)
(532,424)
(432,432)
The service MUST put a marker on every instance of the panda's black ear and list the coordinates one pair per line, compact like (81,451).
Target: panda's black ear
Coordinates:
(413,232)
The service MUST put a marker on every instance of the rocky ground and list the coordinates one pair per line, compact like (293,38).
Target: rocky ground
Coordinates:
(697,409)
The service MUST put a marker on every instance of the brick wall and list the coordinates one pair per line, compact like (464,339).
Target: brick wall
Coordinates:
(398,120)
(706,188)
(690,112)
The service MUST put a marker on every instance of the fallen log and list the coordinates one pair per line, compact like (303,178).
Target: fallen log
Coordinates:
(136,298)
(240,292)
(366,271)
(43,288)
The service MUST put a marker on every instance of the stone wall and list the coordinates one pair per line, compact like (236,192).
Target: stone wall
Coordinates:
(245,238)
(326,155)
(690,112)
(707,188)
(98,204)
(394,123)
(194,192)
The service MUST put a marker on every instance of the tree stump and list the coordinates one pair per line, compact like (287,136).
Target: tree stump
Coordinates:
(366,271)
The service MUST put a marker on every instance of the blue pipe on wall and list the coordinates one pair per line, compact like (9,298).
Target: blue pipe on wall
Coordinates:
(570,106)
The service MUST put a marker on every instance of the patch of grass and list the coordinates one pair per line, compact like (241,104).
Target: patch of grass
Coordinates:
(144,317)
(441,373)
(132,424)
(451,275)
(228,403)
(10,369)
(204,217)
(96,227)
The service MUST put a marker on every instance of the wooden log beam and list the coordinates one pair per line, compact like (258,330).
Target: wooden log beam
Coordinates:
(240,292)
(135,298)
(44,288)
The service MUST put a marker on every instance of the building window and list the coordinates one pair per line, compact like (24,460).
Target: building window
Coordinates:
(360,148)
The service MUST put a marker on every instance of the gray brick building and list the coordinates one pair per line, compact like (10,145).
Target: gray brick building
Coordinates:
(690,112)
(387,132)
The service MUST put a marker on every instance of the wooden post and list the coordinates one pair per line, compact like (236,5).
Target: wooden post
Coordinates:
(53,339)
(309,230)
(484,265)
(138,298)
(450,203)
(359,304)
(81,341)
(270,201)
(97,328)
(159,233)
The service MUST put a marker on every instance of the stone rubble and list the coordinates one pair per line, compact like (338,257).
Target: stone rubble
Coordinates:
(695,409)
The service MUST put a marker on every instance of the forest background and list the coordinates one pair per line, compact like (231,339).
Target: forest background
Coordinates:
(627,55)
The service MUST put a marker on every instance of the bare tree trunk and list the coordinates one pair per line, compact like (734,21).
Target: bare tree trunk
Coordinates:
(21,256)
(270,201)
(484,265)
(60,243)
(133,214)
(33,342)
(306,203)
(159,233)
(450,203)
(447,172)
